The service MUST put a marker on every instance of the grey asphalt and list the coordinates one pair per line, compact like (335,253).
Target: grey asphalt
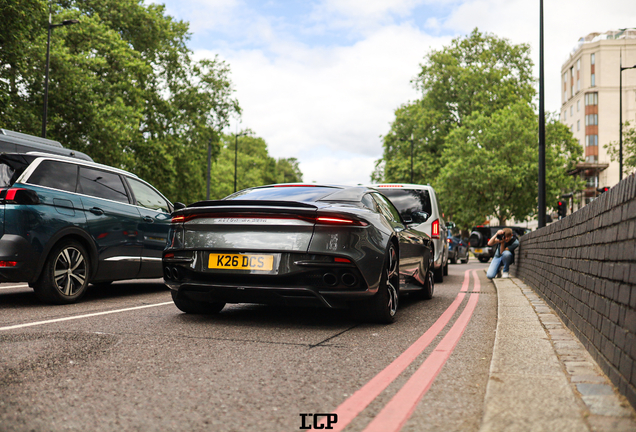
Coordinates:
(541,377)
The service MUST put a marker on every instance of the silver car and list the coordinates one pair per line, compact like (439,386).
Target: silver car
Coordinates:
(418,203)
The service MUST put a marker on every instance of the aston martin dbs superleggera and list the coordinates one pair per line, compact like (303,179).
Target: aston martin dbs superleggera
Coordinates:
(297,244)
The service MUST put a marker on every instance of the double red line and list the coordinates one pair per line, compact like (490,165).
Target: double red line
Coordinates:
(399,409)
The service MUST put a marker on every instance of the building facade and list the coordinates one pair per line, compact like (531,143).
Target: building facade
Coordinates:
(590,81)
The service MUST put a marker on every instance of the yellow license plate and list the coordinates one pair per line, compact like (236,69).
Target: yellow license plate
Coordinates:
(241,262)
(478,250)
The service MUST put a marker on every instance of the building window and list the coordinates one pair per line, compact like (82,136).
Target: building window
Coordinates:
(591,181)
(591,120)
(565,86)
(565,114)
(578,125)
(578,75)
(572,81)
(591,99)
(591,159)
(578,105)
(593,80)
(592,58)
(591,140)
(592,70)
(571,110)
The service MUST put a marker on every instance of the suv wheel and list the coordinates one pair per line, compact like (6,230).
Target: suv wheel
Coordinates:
(438,274)
(64,277)
(483,259)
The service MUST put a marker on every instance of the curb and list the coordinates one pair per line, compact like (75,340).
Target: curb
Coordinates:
(541,376)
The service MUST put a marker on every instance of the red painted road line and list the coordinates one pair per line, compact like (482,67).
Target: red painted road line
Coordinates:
(396,413)
(358,401)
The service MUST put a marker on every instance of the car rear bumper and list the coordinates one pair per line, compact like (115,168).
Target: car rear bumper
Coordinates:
(16,249)
(482,252)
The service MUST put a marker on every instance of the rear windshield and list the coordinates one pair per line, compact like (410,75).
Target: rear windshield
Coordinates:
(284,193)
(408,201)
(11,167)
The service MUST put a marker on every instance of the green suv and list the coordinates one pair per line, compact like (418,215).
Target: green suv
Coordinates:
(66,222)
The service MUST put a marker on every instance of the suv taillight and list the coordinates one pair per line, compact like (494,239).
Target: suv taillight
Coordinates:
(435,229)
(19,196)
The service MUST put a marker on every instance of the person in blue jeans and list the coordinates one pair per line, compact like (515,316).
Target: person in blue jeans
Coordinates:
(504,254)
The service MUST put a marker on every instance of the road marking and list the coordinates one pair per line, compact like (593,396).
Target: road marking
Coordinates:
(37,323)
(396,413)
(14,286)
(358,401)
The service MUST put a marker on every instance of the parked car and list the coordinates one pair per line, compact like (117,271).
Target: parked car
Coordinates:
(16,142)
(480,235)
(66,222)
(296,244)
(418,205)
(457,250)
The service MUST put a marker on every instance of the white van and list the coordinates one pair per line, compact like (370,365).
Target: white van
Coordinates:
(412,201)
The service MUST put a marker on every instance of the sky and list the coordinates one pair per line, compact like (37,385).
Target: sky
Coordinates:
(320,80)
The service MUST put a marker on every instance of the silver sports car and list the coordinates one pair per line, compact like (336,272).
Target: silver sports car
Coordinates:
(297,244)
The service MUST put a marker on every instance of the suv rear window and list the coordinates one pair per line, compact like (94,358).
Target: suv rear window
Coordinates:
(408,201)
(56,175)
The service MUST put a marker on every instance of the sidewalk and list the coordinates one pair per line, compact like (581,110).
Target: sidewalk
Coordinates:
(541,376)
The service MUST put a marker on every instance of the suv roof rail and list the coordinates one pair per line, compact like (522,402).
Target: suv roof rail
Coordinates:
(18,137)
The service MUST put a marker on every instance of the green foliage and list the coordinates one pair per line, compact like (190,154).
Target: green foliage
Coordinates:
(123,88)
(492,170)
(474,134)
(629,148)
(478,73)
(255,167)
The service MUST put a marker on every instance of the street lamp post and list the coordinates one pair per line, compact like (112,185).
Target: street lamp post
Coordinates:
(236,155)
(411,141)
(541,180)
(46,71)
(620,117)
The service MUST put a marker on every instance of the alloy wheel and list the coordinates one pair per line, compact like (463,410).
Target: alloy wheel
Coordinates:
(69,271)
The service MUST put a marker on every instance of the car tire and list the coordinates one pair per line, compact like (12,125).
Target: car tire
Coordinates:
(429,287)
(483,259)
(382,308)
(453,260)
(446,269)
(65,274)
(438,274)
(465,260)
(196,307)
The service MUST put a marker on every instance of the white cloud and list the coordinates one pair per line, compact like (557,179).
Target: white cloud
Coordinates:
(327,103)
(317,102)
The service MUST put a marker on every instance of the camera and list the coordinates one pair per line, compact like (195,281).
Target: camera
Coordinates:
(500,236)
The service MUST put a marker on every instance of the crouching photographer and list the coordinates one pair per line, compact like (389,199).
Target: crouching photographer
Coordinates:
(504,255)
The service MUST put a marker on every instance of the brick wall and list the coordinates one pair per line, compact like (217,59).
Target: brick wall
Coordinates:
(584,266)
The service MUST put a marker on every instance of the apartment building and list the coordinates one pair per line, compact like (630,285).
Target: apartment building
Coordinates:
(590,103)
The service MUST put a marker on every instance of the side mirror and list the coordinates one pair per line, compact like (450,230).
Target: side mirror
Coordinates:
(407,219)
(179,206)
(450,225)
(420,217)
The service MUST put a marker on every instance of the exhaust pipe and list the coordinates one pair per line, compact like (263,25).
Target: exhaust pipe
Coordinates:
(330,279)
(349,279)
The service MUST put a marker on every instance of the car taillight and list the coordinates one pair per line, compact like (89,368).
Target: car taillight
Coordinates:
(435,229)
(178,219)
(325,220)
(19,196)
(8,263)
(449,240)
(342,260)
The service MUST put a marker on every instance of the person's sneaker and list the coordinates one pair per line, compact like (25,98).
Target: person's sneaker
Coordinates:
(505,275)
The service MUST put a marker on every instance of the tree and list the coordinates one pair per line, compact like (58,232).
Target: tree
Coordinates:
(255,167)
(492,166)
(123,88)
(478,73)
(629,148)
